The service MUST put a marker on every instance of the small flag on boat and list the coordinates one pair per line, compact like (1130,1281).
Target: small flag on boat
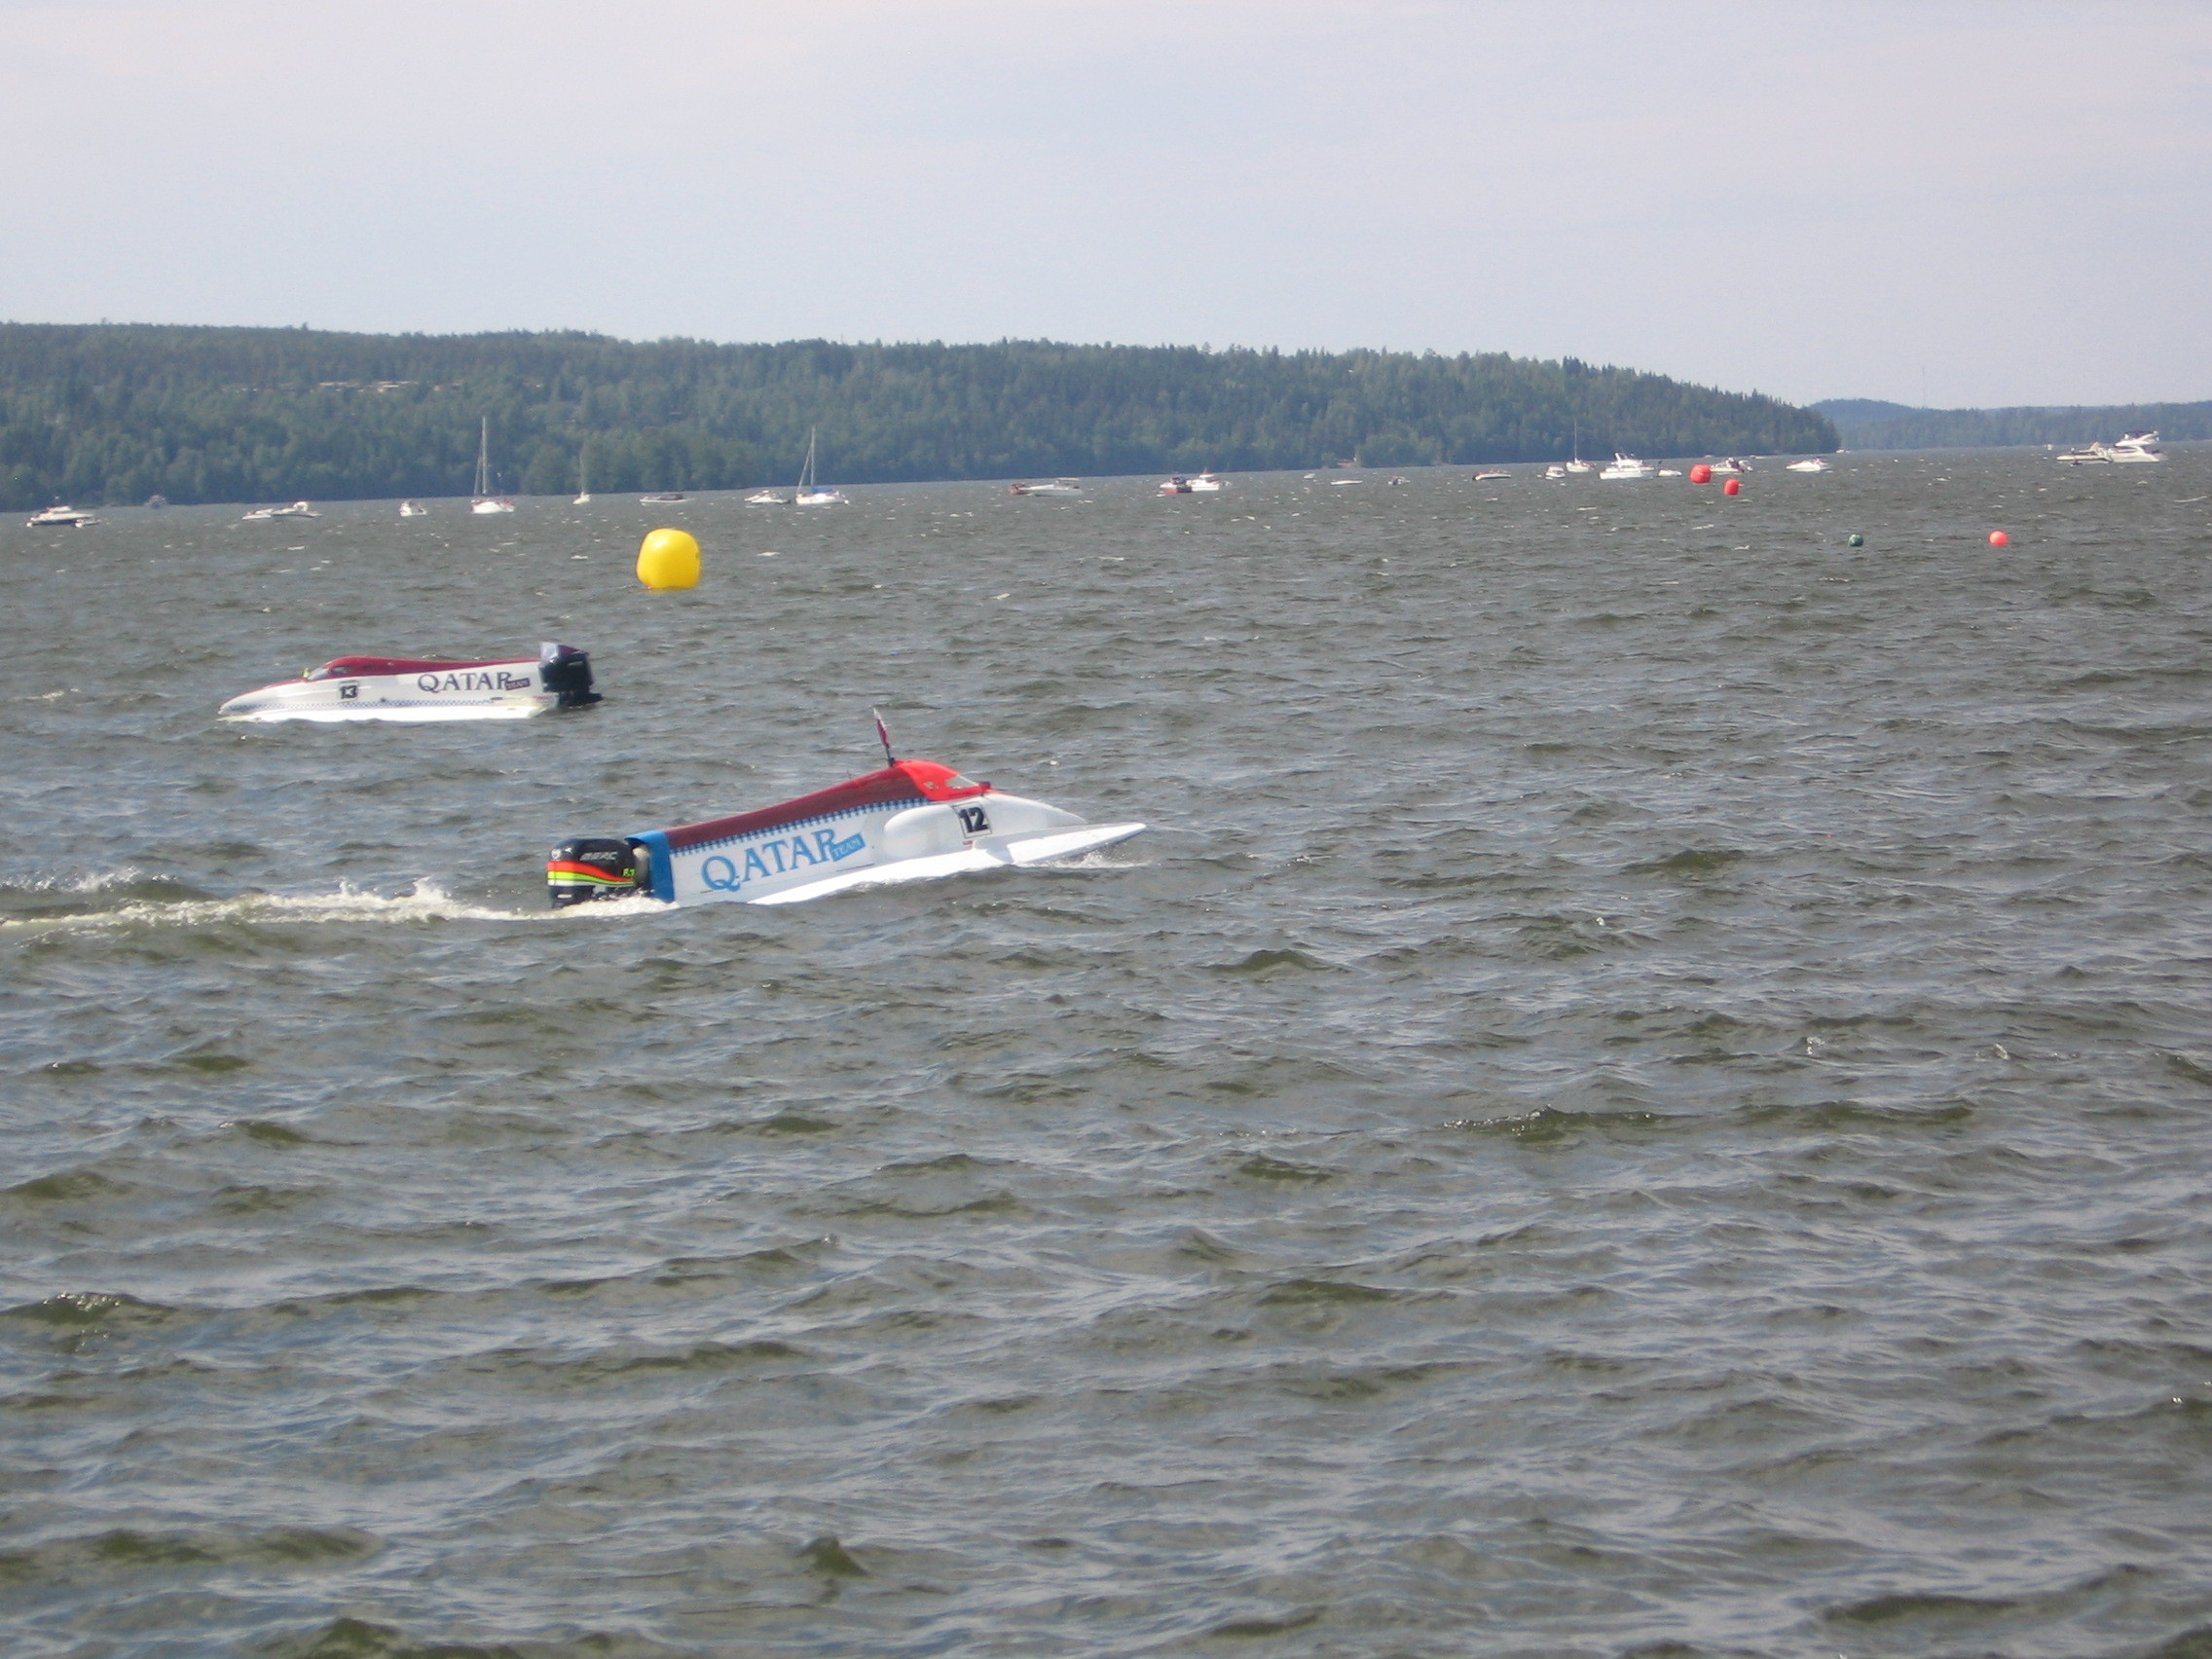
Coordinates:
(883,734)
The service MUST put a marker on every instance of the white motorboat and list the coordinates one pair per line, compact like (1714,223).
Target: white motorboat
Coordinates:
(1813,465)
(59,517)
(661,498)
(810,493)
(912,821)
(1178,485)
(1555,470)
(1057,486)
(2133,449)
(1628,466)
(1207,484)
(481,499)
(413,509)
(416,690)
(1487,477)
(1734,466)
(767,499)
(297,510)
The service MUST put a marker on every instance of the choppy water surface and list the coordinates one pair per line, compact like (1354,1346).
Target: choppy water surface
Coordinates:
(1645,1095)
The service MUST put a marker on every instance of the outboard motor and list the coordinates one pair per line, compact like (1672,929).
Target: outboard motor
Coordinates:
(592,867)
(567,672)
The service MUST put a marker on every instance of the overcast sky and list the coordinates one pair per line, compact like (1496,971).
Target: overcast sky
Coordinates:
(2009,198)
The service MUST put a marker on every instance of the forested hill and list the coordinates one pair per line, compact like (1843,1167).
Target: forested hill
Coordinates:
(117,413)
(1867,424)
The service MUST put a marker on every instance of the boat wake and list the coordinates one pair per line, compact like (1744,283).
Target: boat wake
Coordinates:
(132,901)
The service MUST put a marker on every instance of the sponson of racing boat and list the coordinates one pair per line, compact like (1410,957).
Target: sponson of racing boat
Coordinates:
(911,821)
(420,689)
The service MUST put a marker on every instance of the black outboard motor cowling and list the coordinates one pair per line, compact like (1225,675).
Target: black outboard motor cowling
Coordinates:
(592,868)
(567,672)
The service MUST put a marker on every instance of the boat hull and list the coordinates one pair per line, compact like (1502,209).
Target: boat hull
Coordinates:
(913,821)
(422,692)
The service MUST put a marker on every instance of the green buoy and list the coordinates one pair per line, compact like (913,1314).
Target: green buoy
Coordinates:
(1857,540)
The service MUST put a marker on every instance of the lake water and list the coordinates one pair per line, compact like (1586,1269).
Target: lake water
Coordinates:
(1647,1092)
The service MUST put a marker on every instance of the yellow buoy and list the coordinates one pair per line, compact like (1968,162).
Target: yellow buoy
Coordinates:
(668,558)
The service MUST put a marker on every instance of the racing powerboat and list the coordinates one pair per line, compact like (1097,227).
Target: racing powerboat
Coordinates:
(1813,464)
(911,821)
(412,689)
(1057,486)
(298,509)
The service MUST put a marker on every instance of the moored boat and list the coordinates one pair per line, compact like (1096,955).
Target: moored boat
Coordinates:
(420,689)
(481,499)
(1175,485)
(1057,486)
(1813,464)
(1624,466)
(810,493)
(59,517)
(297,510)
(911,821)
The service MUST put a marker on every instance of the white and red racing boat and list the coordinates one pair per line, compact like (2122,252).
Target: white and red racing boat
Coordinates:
(912,821)
(409,688)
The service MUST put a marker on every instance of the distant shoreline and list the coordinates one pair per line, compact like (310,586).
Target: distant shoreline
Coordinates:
(117,413)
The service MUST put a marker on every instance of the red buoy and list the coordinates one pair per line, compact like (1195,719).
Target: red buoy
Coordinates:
(1734,487)
(1700,473)
(1998,539)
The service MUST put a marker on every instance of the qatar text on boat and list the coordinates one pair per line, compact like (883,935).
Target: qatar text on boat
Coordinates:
(416,690)
(911,821)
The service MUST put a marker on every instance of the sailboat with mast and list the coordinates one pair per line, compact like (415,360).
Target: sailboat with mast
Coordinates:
(481,498)
(1578,465)
(809,492)
(584,480)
